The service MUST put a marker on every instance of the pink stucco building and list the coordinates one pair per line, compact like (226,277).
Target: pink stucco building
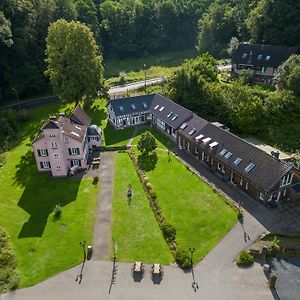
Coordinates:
(65,142)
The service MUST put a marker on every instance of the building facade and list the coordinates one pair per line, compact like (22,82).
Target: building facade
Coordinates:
(64,142)
(263,60)
(259,174)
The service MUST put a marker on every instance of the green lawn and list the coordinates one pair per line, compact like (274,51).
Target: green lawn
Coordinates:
(43,246)
(135,229)
(130,66)
(200,215)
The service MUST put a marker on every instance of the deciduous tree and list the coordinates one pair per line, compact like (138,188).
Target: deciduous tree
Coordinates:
(74,64)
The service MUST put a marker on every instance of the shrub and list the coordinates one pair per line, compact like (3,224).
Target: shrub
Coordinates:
(57,211)
(245,259)
(145,179)
(148,186)
(169,231)
(152,194)
(182,258)
(95,180)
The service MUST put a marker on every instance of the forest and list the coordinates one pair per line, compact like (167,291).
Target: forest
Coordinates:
(135,28)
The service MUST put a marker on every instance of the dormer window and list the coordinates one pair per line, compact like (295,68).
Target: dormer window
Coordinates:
(223,152)
(192,131)
(183,126)
(259,57)
(228,155)
(268,57)
(244,56)
(174,117)
(133,106)
(121,108)
(237,161)
(249,167)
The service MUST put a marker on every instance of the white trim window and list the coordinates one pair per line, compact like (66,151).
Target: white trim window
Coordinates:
(241,182)
(43,152)
(66,139)
(246,185)
(287,179)
(54,145)
(75,162)
(74,151)
(45,165)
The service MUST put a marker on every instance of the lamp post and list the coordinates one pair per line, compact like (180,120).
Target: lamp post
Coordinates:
(145,77)
(17,95)
(192,250)
(82,244)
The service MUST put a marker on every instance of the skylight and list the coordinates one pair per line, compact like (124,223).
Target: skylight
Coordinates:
(213,144)
(183,126)
(133,106)
(145,104)
(74,133)
(169,115)
(156,107)
(268,57)
(121,108)
(77,127)
(228,154)
(199,137)
(206,140)
(259,57)
(192,131)
(237,161)
(162,108)
(249,167)
(174,117)
(223,152)
(244,55)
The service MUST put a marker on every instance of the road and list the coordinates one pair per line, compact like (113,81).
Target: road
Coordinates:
(114,91)
(121,89)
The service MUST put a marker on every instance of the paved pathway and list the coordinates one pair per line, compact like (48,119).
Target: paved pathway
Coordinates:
(103,219)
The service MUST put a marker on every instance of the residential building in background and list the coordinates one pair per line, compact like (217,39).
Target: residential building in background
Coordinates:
(263,60)
(65,142)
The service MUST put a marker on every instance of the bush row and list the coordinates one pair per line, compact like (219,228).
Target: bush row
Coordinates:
(169,231)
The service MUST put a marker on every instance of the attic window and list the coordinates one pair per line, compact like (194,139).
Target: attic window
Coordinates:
(206,140)
(183,126)
(156,107)
(244,55)
(228,155)
(259,57)
(121,108)
(192,131)
(133,106)
(145,104)
(223,152)
(199,137)
(214,144)
(169,115)
(249,167)
(268,57)
(174,117)
(162,108)
(237,161)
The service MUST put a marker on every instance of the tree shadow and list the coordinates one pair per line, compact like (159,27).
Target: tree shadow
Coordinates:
(41,194)
(148,161)
(97,114)
(113,136)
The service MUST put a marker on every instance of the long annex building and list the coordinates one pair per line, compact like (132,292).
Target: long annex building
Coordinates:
(260,175)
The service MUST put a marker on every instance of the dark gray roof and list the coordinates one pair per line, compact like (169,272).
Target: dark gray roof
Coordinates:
(129,105)
(80,117)
(194,124)
(169,111)
(267,171)
(262,55)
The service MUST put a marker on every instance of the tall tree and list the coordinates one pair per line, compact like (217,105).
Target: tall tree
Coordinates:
(74,64)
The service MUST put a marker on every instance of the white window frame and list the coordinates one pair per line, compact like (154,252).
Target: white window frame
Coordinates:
(66,139)
(44,152)
(262,196)
(241,182)
(246,185)
(46,164)
(54,145)
(76,162)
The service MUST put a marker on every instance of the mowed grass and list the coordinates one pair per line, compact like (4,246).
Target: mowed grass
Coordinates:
(135,229)
(201,216)
(43,246)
